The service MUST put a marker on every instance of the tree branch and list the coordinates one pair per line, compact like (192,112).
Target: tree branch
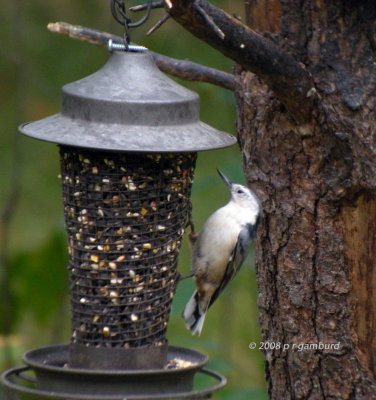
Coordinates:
(191,71)
(82,33)
(183,69)
(289,80)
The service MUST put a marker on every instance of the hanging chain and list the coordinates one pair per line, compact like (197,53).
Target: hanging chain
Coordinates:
(119,12)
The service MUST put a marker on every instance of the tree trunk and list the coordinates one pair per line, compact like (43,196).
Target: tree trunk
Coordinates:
(316,251)
(306,98)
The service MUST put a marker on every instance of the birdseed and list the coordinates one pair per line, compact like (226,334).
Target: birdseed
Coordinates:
(125,215)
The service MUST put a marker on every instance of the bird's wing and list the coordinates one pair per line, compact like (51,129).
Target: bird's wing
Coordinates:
(237,258)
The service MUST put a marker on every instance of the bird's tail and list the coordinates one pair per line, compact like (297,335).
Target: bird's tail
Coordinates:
(194,317)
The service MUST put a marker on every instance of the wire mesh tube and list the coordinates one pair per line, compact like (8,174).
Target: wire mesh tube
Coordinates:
(125,215)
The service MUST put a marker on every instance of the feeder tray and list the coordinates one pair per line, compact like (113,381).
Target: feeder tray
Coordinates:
(56,379)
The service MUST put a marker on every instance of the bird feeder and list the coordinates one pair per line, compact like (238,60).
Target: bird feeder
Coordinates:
(128,139)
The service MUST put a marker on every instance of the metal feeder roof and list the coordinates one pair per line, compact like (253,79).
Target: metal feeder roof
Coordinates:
(129,105)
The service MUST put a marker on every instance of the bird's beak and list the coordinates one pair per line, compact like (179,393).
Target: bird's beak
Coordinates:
(225,179)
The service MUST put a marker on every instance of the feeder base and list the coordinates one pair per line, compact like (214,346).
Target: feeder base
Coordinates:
(104,358)
(55,380)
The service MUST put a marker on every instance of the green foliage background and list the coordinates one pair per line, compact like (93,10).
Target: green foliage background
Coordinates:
(34,307)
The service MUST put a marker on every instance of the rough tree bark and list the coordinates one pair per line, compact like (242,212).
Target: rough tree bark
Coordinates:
(306,124)
(306,99)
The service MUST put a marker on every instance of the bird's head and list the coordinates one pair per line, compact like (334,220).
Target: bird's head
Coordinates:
(241,194)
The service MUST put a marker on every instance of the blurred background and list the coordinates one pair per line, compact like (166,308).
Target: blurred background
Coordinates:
(34,306)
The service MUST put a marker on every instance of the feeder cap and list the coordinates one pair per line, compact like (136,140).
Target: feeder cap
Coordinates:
(129,105)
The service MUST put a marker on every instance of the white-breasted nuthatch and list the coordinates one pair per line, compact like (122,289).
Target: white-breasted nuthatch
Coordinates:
(220,249)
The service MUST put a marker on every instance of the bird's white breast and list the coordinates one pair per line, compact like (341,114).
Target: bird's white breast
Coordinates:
(217,240)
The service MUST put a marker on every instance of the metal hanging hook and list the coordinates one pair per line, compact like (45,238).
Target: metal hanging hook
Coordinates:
(119,12)
(145,17)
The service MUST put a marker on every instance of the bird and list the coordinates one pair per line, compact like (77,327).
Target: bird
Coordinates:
(219,250)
